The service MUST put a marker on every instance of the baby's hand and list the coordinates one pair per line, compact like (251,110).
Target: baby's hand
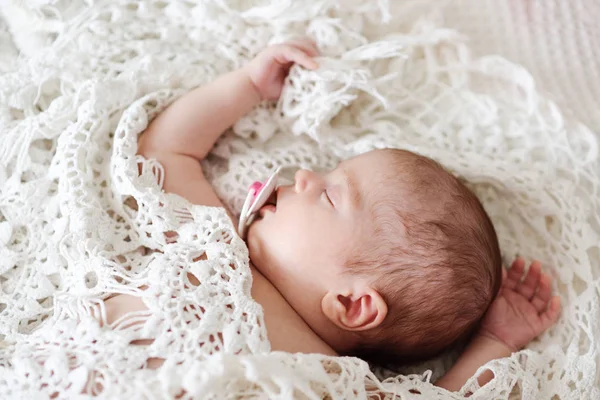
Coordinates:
(268,70)
(522,310)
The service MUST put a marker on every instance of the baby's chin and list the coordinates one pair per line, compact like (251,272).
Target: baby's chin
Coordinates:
(261,252)
(255,245)
(263,256)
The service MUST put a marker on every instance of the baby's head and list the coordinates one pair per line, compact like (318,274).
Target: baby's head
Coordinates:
(388,256)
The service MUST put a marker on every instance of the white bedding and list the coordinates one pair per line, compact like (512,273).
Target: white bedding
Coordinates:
(78,223)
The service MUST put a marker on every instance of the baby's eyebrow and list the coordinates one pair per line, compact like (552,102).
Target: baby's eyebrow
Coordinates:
(352,189)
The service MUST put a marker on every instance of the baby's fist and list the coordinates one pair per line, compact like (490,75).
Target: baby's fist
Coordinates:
(269,68)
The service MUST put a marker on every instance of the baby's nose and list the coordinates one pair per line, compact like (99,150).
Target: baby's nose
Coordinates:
(302,179)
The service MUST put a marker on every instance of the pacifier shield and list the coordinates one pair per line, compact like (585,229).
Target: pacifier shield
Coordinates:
(258,195)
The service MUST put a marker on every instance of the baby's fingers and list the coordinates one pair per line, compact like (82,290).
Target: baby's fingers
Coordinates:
(306,45)
(529,286)
(515,273)
(550,316)
(541,298)
(293,54)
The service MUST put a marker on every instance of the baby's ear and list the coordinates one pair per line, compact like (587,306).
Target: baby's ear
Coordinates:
(355,311)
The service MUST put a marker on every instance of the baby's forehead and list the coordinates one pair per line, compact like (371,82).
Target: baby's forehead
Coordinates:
(374,169)
(371,184)
(375,162)
(399,178)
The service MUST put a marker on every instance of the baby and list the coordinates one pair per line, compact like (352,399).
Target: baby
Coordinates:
(388,257)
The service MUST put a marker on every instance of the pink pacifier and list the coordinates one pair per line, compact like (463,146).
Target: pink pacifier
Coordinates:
(258,194)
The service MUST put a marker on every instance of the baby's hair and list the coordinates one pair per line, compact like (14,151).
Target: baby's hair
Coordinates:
(435,257)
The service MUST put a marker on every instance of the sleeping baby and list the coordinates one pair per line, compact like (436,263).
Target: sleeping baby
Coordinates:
(407,260)
(388,257)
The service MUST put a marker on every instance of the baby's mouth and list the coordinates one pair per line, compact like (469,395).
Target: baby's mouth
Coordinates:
(270,205)
(272,200)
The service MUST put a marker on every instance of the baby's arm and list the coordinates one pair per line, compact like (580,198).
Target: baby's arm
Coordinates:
(184,133)
(521,312)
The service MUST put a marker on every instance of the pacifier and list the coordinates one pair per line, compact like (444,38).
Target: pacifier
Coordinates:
(258,194)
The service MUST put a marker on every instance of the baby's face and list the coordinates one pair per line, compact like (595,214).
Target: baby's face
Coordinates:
(302,244)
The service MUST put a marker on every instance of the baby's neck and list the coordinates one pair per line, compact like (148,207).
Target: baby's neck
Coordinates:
(286,330)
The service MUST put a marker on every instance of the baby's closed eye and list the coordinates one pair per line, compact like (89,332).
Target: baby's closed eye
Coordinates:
(325,197)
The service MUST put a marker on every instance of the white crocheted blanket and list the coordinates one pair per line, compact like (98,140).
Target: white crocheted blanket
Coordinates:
(79,81)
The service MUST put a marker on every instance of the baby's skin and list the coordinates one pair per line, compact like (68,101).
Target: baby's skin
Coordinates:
(308,301)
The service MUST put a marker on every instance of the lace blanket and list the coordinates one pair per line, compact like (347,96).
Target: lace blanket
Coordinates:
(81,216)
